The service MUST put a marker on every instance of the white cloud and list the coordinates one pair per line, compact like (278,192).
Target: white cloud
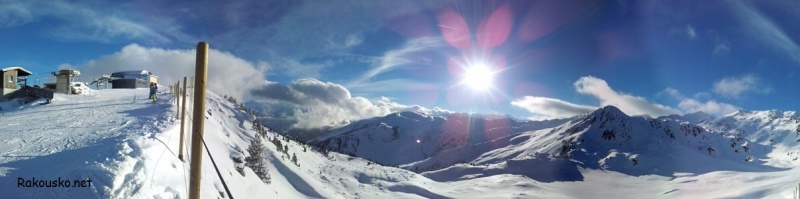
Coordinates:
(14,13)
(310,103)
(296,69)
(397,107)
(631,105)
(353,40)
(319,104)
(397,57)
(735,87)
(691,32)
(688,31)
(671,92)
(544,107)
(764,29)
(227,74)
(722,48)
(391,85)
(710,106)
(78,21)
(551,107)
(548,108)
(702,95)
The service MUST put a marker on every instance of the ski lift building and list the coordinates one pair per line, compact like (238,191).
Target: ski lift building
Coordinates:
(11,77)
(65,79)
(132,79)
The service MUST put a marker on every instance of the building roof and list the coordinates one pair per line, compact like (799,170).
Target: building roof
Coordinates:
(133,72)
(23,72)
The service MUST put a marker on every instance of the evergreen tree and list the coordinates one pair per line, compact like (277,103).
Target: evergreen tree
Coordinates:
(278,144)
(294,159)
(255,124)
(257,159)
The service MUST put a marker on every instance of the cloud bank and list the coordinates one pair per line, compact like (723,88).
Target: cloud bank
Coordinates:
(736,87)
(551,107)
(631,105)
(318,104)
(692,105)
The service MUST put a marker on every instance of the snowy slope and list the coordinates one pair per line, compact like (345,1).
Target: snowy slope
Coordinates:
(694,118)
(127,148)
(640,147)
(410,136)
(778,130)
(97,136)
(609,139)
(334,175)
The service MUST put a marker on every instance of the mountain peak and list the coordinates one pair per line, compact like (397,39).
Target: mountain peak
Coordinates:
(698,117)
(609,110)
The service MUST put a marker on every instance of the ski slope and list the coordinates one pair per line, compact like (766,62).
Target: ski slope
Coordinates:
(128,148)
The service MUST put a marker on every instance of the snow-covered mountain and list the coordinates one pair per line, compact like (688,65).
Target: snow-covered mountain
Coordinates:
(693,118)
(778,131)
(606,139)
(410,136)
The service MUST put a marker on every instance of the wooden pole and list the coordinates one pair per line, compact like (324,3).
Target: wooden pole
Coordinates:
(177,94)
(198,118)
(183,115)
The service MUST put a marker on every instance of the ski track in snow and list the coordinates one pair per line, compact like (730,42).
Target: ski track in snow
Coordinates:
(75,138)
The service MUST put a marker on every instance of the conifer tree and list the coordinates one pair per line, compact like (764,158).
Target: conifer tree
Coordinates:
(257,159)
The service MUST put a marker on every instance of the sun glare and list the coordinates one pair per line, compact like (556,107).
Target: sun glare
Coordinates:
(478,77)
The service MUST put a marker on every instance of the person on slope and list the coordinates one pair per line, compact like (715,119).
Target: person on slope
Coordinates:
(153,90)
(150,96)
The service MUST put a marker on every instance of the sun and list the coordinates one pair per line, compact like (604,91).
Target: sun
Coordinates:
(478,77)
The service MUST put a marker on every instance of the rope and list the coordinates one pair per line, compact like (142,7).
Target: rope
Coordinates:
(215,168)
(224,184)
(185,179)
(186,146)
(153,173)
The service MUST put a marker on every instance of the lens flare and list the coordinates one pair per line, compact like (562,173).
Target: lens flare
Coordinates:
(478,77)
(454,29)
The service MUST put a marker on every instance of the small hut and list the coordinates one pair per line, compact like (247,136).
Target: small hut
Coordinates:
(11,78)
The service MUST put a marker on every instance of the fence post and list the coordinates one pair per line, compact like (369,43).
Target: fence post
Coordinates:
(177,94)
(182,117)
(198,118)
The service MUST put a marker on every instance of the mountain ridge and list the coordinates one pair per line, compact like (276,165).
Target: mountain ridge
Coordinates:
(606,138)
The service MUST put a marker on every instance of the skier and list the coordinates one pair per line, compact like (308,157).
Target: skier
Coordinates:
(153,90)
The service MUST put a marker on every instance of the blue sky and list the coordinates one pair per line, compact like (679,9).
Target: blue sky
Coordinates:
(548,59)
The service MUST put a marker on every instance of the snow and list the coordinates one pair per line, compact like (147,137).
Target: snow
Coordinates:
(128,146)
(79,137)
